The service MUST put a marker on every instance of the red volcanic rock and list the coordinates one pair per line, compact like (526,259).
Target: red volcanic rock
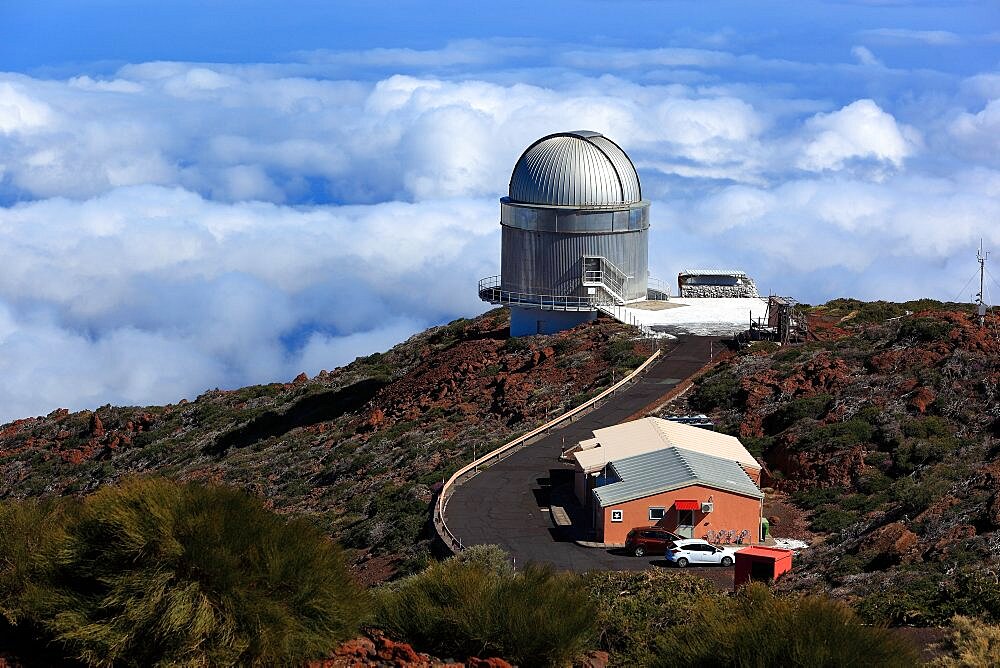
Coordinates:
(375,419)
(399,652)
(96,426)
(301,378)
(892,542)
(942,547)
(820,375)
(382,652)
(360,648)
(493,662)
(886,361)
(923,398)
(805,469)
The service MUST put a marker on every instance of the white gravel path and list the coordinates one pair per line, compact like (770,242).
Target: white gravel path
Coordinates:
(701,316)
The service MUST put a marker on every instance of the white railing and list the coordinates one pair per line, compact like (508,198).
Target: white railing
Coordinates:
(490,290)
(441,505)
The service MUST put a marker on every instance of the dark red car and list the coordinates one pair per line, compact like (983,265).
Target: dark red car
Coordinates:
(649,540)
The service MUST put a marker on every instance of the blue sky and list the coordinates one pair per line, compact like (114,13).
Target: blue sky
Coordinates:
(202,194)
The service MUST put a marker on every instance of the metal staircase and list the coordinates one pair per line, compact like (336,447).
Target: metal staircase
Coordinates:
(600,272)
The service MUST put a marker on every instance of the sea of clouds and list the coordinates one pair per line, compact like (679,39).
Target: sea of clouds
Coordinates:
(171,227)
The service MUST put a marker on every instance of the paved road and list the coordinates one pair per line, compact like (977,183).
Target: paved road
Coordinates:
(504,504)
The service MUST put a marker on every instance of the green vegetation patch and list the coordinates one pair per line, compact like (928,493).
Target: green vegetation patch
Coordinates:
(476,605)
(757,628)
(716,391)
(792,411)
(156,573)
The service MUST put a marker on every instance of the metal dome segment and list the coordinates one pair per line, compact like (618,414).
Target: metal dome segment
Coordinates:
(576,169)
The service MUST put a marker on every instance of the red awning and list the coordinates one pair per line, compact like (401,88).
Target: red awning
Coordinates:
(686,504)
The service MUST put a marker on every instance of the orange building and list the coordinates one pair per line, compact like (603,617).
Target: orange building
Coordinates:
(591,456)
(687,492)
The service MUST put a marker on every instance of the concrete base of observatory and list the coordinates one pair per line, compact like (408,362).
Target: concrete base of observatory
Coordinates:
(528,321)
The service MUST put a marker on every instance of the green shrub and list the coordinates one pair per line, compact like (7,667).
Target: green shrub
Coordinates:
(29,532)
(924,329)
(830,519)
(927,427)
(837,435)
(721,390)
(797,409)
(867,312)
(758,629)
(928,599)
(971,644)
(621,354)
(477,606)
(154,573)
(817,496)
(636,607)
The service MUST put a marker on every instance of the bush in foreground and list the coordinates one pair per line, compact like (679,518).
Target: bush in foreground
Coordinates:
(157,573)
(756,628)
(476,605)
(636,607)
(971,644)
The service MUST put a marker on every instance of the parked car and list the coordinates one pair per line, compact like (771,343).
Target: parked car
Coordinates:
(649,540)
(697,551)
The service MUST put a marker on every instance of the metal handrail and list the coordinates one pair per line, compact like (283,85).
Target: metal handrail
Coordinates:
(608,276)
(658,286)
(490,290)
(441,505)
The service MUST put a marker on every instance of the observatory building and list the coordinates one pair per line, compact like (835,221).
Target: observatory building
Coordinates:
(575,234)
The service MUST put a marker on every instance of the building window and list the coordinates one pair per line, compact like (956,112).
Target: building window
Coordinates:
(616,515)
(685,518)
(656,514)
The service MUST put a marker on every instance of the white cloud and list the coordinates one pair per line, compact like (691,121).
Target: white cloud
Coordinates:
(979,132)
(179,226)
(19,112)
(865,56)
(185,293)
(909,36)
(906,237)
(861,130)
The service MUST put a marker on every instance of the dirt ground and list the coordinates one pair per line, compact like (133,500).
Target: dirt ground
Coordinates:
(787,520)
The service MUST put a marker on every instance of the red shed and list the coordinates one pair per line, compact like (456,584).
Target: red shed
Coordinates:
(761,564)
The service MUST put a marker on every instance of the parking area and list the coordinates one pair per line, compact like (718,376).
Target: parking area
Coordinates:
(509,504)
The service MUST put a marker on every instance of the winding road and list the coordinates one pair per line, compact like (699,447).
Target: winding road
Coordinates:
(507,504)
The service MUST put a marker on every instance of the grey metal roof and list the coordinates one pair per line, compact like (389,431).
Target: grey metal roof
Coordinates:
(713,272)
(579,168)
(669,469)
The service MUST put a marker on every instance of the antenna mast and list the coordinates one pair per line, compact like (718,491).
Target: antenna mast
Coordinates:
(981,255)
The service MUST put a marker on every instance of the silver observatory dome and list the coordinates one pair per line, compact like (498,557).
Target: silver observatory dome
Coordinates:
(574,234)
(580,169)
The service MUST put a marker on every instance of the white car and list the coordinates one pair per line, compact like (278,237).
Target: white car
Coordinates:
(699,552)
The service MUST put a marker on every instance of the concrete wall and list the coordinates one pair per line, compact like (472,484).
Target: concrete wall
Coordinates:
(528,321)
(732,511)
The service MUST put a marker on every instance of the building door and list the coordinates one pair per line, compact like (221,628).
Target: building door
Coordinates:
(685,523)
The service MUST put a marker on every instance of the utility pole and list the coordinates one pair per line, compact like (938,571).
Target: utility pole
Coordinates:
(981,255)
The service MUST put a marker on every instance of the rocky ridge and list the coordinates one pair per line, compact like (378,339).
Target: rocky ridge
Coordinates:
(886,432)
(358,449)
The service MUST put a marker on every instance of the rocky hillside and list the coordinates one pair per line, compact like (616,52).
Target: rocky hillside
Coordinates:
(359,449)
(886,432)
